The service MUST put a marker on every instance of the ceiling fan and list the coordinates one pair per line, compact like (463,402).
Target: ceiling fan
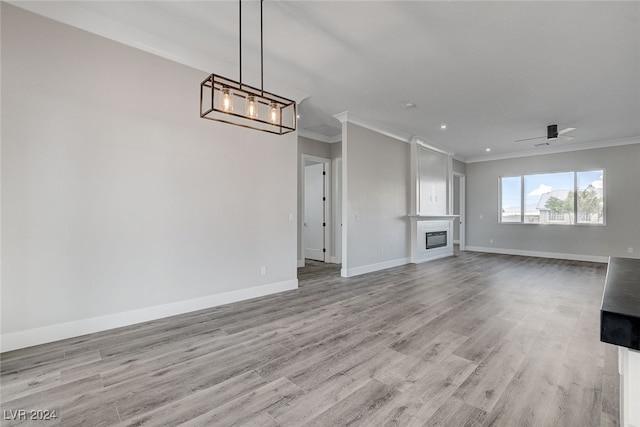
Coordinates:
(552,135)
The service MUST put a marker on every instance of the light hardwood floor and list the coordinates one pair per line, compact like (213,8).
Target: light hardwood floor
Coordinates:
(471,340)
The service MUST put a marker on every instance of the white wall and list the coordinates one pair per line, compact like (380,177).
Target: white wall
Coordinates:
(376,175)
(622,198)
(119,203)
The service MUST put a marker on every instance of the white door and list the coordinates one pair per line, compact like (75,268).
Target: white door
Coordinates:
(314,212)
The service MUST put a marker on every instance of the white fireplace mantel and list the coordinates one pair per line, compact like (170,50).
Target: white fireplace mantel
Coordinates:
(423,224)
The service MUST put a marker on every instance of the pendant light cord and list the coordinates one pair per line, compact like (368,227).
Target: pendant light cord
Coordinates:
(261,54)
(261,45)
(240,36)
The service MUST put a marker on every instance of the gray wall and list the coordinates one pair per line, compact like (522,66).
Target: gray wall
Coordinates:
(459,167)
(116,196)
(336,150)
(376,171)
(622,194)
(314,148)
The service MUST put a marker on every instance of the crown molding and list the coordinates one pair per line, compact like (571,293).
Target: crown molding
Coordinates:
(555,150)
(421,141)
(319,137)
(349,117)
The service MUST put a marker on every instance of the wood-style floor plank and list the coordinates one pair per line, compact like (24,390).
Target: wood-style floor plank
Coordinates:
(472,340)
(198,403)
(357,408)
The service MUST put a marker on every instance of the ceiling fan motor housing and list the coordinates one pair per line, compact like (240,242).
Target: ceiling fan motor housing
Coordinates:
(552,131)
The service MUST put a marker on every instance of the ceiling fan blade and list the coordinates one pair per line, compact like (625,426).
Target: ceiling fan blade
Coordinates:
(558,138)
(552,135)
(529,139)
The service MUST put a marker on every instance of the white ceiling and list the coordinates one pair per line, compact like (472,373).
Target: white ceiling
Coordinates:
(493,72)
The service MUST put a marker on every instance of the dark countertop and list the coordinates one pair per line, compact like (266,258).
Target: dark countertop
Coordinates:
(620,310)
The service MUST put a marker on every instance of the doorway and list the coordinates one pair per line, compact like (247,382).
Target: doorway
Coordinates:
(316,218)
(459,209)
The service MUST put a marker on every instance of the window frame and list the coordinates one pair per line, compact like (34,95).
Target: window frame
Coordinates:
(575,200)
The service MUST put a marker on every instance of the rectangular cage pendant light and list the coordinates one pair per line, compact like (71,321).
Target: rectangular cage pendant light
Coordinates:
(236,103)
(228,101)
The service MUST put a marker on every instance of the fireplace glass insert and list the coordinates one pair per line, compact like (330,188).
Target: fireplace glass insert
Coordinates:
(436,239)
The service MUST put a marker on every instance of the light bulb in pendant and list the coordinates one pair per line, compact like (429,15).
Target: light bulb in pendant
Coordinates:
(226,100)
(274,113)
(252,107)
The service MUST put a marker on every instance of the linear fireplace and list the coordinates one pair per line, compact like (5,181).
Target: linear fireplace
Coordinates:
(436,239)
(431,237)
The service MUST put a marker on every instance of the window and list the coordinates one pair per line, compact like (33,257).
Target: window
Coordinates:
(590,195)
(511,203)
(553,198)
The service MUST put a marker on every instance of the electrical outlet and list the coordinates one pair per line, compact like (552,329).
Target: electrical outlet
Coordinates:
(291,217)
(491,241)
(630,250)
(381,252)
(263,270)
(357,217)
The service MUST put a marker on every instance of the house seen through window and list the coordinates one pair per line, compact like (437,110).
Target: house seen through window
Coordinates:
(553,198)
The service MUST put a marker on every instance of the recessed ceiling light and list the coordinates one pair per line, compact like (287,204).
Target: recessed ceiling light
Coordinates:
(443,126)
(297,116)
(488,149)
(409,105)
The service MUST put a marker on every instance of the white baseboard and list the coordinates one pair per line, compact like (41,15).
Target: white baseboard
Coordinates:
(30,337)
(333,260)
(437,255)
(356,271)
(539,254)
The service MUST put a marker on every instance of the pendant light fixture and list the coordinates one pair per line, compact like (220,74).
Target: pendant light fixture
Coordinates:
(236,103)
